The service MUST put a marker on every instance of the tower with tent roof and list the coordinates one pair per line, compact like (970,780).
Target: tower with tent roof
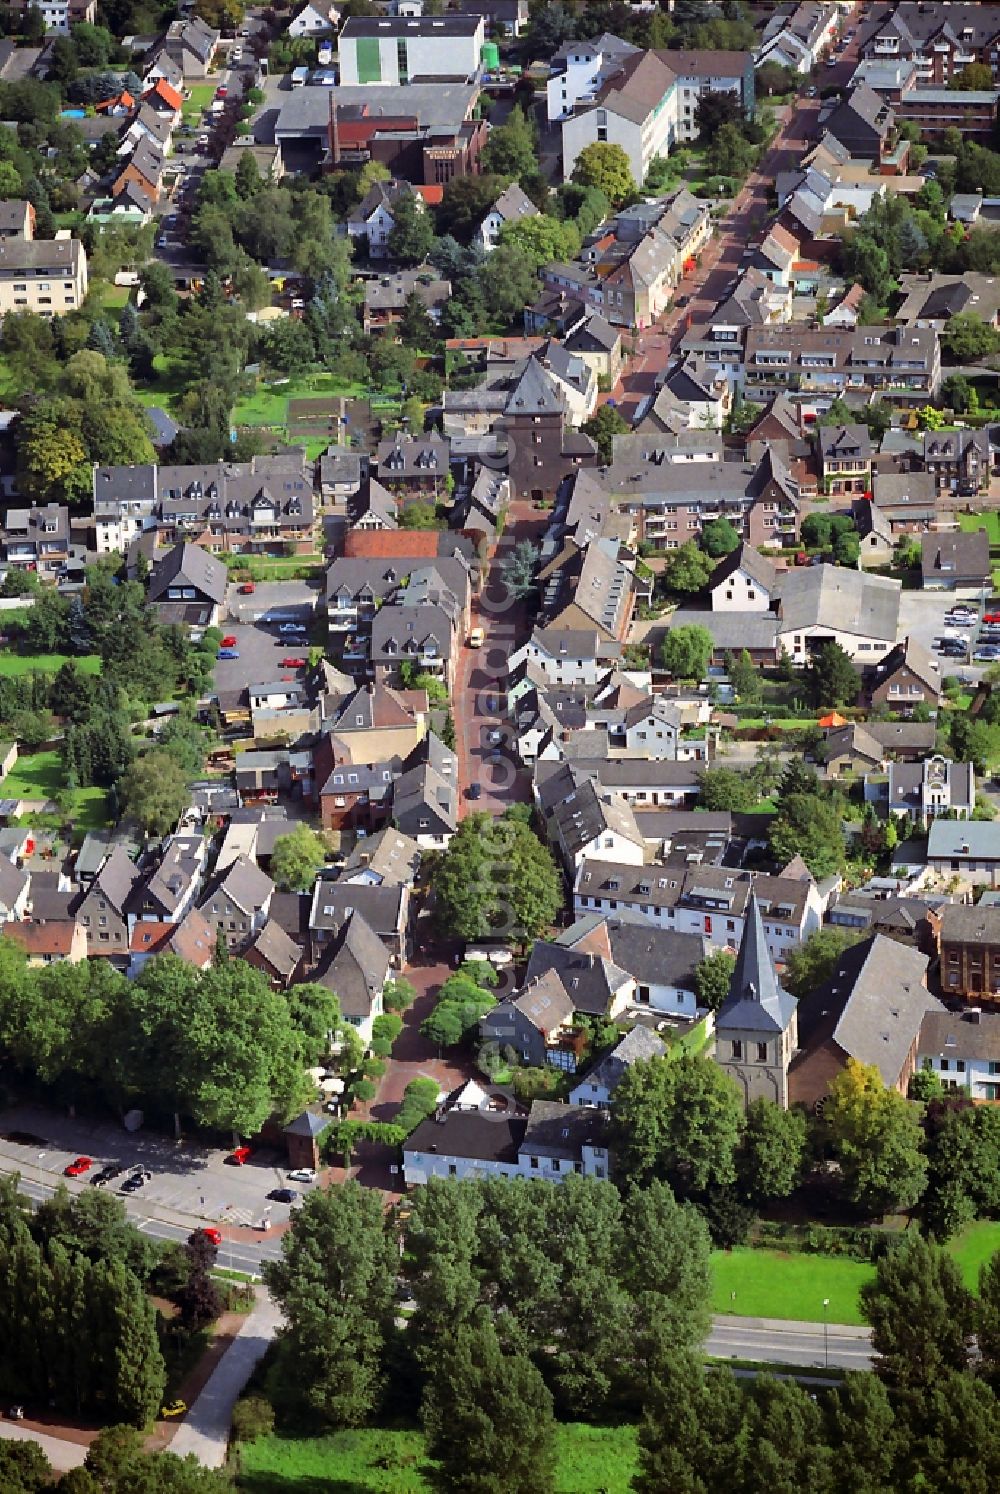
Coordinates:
(756,1032)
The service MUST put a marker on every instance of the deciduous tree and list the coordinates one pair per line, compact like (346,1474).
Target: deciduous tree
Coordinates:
(296,859)
(876,1134)
(679,1120)
(686,652)
(606,167)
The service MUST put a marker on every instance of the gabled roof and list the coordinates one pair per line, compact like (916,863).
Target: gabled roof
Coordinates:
(752,563)
(192,566)
(637,1046)
(243,883)
(277,949)
(116,879)
(356,967)
(756,1002)
(533,394)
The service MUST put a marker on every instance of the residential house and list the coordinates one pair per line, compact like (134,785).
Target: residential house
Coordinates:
(567,656)
(37,539)
(661,962)
(963,1050)
(169,889)
(385,298)
(554,1142)
(817,365)
(414,465)
(377,723)
(871,1009)
(143,170)
(598,1085)
(163,99)
(931,300)
(355,965)
(372,220)
(17,220)
(818,604)
(192,939)
(315,20)
(671,499)
(937,786)
(799,41)
(579,69)
(191,44)
(421,625)
(958,460)
(592,587)
(537,1024)
(236,902)
(59,15)
(745,581)
(511,206)
(425,799)
(906,501)
(908,676)
(188,586)
(15,885)
(710,901)
(845,456)
(503,17)
(48,942)
(878,542)
(958,560)
(398,50)
(865,124)
(101,908)
(939,40)
(590,822)
(968,944)
(384,906)
(756,1029)
(45,276)
(147,124)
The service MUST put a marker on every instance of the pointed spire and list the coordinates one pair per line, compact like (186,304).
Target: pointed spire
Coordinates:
(756,999)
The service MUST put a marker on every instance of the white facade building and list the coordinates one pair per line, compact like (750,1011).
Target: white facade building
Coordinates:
(396,50)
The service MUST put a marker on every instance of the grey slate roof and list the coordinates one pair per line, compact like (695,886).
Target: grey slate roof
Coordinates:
(756,1002)
(556,1130)
(356,967)
(637,1046)
(189,565)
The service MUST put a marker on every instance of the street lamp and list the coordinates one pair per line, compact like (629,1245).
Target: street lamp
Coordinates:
(826,1332)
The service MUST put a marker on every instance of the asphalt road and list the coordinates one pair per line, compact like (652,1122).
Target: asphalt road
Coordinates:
(778,1341)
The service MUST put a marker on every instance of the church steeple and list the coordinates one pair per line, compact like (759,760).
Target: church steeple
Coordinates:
(756,998)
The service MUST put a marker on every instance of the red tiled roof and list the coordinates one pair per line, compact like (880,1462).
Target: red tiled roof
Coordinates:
(416,544)
(52,938)
(433,196)
(149,938)
(125,100)
(169,95)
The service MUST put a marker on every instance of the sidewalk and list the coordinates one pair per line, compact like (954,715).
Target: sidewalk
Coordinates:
(205,1430)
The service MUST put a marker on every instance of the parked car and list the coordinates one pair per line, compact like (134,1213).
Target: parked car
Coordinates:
(302,1175)
(229,641)
(987,653)
(135,1181)
(174,1408)
(474,791)
(294,663)
(292,630)
(228,653)
(477,637)
(239,1155)
(247,588)
(106,1175)
(16,1413)
(282,1195)
(211,1233)
(78,1167)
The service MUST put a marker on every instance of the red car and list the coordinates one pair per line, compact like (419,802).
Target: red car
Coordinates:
(991,617)
(229,641)
(222,91)
(239,1155)
(79,1166)
(247,588)
(214,1235)
(294,663)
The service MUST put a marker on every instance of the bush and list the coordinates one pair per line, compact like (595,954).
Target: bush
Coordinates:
(419,1101)
(858,1244)
(253,1417)
(535,1084)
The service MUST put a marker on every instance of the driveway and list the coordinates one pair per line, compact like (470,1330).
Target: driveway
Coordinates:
(921,616)
(285,601)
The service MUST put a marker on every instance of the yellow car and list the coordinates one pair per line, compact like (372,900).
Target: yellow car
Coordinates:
(477,638)
(174,1408)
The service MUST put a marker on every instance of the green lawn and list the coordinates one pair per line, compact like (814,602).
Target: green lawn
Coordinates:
(589,1460)
(990,522)
(788,1284)
(268,405)
(200,96)
(973,1247)
(39,775)
(168,385)
(15,664)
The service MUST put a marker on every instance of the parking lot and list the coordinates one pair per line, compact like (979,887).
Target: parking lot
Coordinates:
(922,616)
(187,1179)
(261,651)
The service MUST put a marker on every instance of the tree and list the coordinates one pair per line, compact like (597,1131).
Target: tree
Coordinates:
(602,427)
(154,790)
(248,178)
(922,1315)
(465,203)
(713,110)
(296,859)
(963,1166)
(966,338)
(488,1418)
(510,282)
(607,168)
(412,232)
(876,1135)
(727,788)
(811,964)
(495,876)
(833,680)
(719,537)
(744,676)
(512,149)
(730,153)
(956,393)
(335,1283)
(974,76)
(687,569)
(771,1153)
(971,741)
(542,239)
(686,652)
(810,826)
(679,1120)
(518,569)
(712,977)
(398,995)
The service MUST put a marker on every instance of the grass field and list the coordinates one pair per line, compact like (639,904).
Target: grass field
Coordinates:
(268,405)
(200,96)
(973,1247)
(39,775)
(12,665)
(589,1460)
(788,1284)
